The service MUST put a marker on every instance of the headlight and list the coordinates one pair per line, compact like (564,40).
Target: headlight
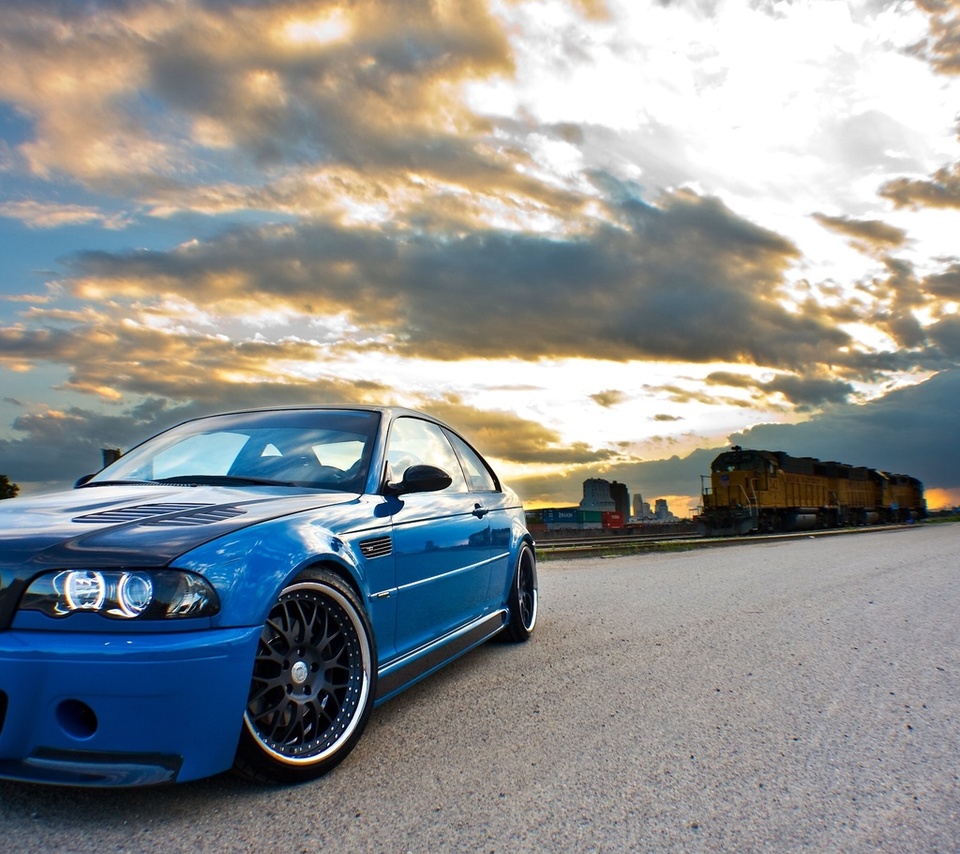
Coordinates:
(148,594)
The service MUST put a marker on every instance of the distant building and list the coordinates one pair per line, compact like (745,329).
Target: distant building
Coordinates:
(662,512)
(600,494)
(621,498)
(596,495)
(641,508)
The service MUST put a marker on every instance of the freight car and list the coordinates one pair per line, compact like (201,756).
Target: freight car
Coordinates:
(772,491)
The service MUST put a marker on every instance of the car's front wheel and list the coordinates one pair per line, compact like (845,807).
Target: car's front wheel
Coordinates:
(313,683)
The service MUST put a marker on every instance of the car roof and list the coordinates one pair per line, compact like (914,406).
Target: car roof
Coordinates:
(392,411)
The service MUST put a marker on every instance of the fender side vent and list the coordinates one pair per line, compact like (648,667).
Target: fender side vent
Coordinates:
(377,547)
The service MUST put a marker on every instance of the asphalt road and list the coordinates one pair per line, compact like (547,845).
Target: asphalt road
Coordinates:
(788,696)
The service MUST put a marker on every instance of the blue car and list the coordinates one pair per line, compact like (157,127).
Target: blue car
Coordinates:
(241,590)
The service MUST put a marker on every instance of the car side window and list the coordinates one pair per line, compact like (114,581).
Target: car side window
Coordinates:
(479,477)
(413,442)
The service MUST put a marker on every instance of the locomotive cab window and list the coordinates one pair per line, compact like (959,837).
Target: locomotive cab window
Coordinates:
(742,462)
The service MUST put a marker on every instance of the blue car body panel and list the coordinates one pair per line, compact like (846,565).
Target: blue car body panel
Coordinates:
(173,697)
(87,700)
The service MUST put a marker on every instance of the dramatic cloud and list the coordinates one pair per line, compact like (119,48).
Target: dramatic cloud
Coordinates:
(46,215)
(609,397)
(805,392)
(870,235)
(136,359)
(588,233)
(685,279)
(942,50)
(941,190)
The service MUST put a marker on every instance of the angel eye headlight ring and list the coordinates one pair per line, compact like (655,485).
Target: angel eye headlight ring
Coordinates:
(134,594)
(84,590)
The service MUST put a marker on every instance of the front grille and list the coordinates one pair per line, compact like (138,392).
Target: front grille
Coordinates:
(377,547)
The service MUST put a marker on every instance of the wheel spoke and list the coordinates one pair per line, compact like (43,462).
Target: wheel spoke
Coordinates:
(290,725)
(298,623)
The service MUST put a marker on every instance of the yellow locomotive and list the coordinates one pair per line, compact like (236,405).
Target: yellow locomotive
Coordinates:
(772,491)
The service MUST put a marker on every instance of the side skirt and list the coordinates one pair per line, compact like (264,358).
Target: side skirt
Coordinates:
(404,672)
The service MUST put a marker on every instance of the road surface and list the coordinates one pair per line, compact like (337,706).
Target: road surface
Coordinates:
(787,696)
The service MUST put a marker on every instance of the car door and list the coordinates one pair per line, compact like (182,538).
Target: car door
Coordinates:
(489,501)
(441,540)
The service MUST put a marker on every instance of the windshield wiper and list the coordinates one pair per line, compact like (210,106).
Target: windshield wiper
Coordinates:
(223,480)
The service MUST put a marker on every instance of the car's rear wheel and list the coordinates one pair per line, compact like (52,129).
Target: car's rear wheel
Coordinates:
(523,600)
(313,683)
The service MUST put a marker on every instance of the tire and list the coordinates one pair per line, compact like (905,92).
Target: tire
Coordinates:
(313,683)
(523,598)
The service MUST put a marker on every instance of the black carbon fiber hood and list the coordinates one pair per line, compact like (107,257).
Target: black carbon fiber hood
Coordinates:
(136,525)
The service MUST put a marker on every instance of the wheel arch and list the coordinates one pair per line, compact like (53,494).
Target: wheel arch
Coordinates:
(344,571)
(521,537)
(530,541)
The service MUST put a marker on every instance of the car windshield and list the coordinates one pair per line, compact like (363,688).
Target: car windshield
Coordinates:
(319,449)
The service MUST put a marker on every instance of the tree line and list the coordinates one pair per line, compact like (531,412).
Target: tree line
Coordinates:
(8,489)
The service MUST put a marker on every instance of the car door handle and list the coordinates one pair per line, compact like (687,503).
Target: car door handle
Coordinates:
(479,511)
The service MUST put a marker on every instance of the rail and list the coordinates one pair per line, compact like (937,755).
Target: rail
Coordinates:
(624,543)
(557,545)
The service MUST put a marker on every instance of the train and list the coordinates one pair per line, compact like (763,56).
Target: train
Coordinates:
(769,491)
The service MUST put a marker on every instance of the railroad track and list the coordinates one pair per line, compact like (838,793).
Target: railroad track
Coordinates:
(640,542)
(557,545)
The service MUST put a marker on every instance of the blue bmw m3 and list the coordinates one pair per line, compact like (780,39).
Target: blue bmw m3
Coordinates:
(241,590)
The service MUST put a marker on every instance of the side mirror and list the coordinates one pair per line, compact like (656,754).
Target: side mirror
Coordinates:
(82,480)
(420,479)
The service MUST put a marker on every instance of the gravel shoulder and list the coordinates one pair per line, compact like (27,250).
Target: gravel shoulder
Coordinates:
(783,696)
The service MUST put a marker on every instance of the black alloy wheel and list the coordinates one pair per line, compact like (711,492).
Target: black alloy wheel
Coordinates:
(312,687)
(522,602)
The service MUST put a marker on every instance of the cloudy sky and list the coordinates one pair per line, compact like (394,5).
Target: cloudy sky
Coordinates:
(603,238)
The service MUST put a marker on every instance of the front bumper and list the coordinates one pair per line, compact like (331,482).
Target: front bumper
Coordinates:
(122,710)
